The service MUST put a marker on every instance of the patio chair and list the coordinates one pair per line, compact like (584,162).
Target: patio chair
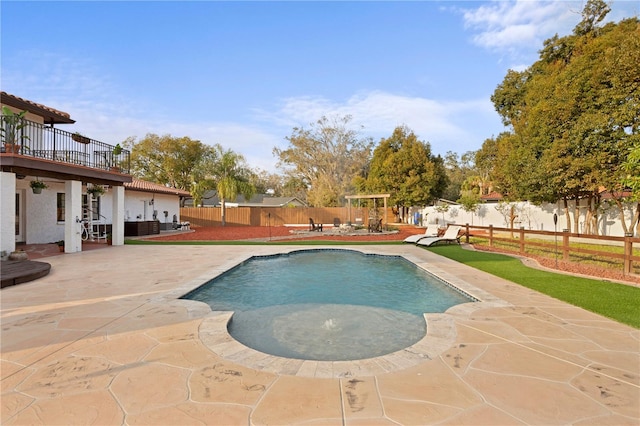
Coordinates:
(375,226)
(431,231)
(313,226)
(450,236)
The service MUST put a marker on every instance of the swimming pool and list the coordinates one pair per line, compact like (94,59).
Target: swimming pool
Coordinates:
(327,304)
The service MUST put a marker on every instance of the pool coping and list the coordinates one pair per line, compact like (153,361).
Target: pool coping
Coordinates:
(440,337)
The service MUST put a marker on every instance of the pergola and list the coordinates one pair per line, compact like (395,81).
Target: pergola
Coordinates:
(367,197)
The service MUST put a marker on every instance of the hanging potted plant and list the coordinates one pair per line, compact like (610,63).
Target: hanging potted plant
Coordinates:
(80,138)
(95,190)
(37,186)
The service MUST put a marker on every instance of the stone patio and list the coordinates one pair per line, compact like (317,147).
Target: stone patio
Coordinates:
(103,339)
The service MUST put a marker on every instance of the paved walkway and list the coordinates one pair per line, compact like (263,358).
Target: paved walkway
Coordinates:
(103,340)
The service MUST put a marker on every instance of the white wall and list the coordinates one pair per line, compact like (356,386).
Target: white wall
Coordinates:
(40,211)
(530,216)
(141,205)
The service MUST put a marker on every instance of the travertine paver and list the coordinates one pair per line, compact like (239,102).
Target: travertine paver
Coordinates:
(226,382)
(103,339)
(132,389)
(79,409)
(300,400)
(193,413)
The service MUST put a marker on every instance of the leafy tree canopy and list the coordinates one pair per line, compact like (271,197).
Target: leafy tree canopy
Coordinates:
(574,114)
(326,157)
(405,167)
(458,169)
(168,160)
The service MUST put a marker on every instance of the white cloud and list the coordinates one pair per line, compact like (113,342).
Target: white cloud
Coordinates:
(519,27)
(104,112)
(447,126)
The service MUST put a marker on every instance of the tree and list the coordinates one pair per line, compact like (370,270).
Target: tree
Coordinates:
(405,167)
(326,156)
(295,187)
(592,14)
(631,180)
(168,160)
(265,182)
(573,115)
(470,195)
(458,169)
(631,168)
(231,177)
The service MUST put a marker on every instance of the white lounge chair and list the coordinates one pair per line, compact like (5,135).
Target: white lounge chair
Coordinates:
(431,231)
(450,236)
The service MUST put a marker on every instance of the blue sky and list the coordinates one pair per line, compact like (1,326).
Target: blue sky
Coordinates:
(244,74)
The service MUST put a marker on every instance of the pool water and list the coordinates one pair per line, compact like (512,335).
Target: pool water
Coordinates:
(329,305)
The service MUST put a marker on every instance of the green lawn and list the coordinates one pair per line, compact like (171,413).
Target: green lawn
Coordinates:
(616,301)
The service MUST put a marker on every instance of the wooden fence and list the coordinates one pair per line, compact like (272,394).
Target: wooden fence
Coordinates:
(278,216)
(558,243)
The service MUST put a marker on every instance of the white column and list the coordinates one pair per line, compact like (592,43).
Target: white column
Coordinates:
(117,215)
(7,212)
(72,216)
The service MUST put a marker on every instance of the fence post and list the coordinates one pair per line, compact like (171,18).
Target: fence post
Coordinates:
(467,234)
(522,240)
(565,244)
(490,235)
(628,252)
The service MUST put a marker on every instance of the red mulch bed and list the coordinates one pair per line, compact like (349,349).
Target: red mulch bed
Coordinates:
(573,267)
(236,233)
(284,233)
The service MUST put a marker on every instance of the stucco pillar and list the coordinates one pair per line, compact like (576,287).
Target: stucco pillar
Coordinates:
(72,216)
(7,212)
(117,216)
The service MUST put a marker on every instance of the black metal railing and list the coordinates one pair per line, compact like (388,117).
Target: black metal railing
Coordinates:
(36,140)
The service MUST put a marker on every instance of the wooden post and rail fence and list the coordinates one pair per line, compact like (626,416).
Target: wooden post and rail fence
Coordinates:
(558,243)
(517,240)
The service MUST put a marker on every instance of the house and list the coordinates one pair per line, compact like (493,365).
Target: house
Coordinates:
(492,197)
(148,201)
(34,149)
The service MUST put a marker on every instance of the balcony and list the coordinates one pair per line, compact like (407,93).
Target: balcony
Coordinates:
(41,142)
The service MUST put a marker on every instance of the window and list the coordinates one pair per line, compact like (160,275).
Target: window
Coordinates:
(60,206)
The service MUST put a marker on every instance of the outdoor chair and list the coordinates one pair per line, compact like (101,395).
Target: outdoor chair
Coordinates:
(430,232)
(450,236)
(375,226)
(313,226)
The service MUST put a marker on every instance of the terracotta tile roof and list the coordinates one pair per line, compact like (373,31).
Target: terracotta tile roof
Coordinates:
(608,195)
(51,115)
(144,186)
(492,196)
